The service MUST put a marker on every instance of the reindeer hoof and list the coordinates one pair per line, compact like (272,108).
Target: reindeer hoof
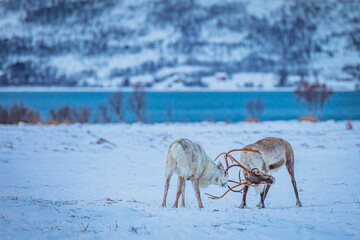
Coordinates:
(163,205)
(242,206)
(260,205)
(299,203)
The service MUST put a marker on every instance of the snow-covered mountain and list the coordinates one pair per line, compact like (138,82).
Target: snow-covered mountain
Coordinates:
(170,44)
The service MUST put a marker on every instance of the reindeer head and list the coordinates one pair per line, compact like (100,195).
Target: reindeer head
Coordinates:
(221,176)
(257,177)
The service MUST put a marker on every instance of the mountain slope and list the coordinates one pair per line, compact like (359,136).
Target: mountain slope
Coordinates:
(92,43)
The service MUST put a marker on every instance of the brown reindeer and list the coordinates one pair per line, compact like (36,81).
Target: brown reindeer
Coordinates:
(275,152)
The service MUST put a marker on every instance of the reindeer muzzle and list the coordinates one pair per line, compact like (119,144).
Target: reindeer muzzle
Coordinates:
(273,180)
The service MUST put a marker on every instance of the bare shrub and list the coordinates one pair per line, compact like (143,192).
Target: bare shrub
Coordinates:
(67,114)
(313,96)
(63,114)
(84,228)
(141,229)
(18,112)
(21,113)
(81,114)
(103,114)
(169,114)
(4,115)
(283,76)
(137,103)
(115,102)
(308,119)
(255,109)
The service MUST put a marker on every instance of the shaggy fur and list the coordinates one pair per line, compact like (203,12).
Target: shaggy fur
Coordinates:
(275,152)
(190,162)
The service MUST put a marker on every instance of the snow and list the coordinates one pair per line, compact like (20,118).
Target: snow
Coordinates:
(222,36)
(179,69)
(259,81)
(263,8)
(10,24)
(173,83)
(57,181)
(154,44)
(70,64)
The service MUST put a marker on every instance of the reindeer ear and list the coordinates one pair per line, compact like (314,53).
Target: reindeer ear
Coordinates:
(220,165)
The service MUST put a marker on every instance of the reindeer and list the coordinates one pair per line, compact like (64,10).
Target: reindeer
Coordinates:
(275,152)
(190,162)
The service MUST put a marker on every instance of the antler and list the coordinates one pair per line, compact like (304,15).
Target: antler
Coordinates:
(240,183)
(227,154)
(246,183)
(230,189)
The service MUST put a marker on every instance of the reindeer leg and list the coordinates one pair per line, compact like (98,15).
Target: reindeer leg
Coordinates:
(290,167)
(262,199)
(195,182)
(243,203)
(167,184)
(179,191)
(183,193)
(263,195)
(293,181)
(267,190)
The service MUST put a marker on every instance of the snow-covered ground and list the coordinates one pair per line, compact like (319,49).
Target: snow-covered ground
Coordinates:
(106,181)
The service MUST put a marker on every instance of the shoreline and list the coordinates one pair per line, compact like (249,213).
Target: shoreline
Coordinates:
(100,89)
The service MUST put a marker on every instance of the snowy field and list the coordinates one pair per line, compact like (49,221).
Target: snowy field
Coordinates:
(106,182)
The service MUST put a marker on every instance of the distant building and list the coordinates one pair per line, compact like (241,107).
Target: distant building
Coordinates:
(221,76)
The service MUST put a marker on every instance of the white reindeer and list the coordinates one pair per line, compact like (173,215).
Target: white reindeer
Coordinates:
(275,152)
(190,162)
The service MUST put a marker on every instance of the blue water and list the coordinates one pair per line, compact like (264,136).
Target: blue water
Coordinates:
(193,106)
